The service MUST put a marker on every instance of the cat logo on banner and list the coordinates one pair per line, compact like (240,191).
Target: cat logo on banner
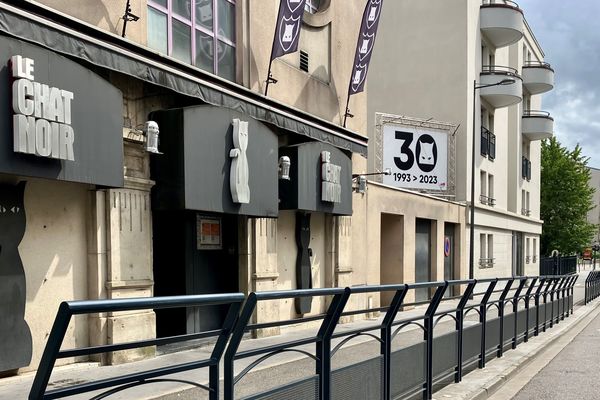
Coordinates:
(287,32)
(417,157)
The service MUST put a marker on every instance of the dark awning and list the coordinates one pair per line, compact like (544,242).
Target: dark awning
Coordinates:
(63,34)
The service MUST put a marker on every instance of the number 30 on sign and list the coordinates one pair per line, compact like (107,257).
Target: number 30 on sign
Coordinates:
(417,157)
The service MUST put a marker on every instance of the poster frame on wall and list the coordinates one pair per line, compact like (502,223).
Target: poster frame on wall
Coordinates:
(384,121)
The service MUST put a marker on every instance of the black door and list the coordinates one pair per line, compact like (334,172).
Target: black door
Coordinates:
(184,264)
(422,257)
(214,267)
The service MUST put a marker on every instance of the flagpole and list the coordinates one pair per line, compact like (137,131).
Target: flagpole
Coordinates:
(269,77)
(346,111)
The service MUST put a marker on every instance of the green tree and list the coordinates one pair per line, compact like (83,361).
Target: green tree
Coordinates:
(566,198)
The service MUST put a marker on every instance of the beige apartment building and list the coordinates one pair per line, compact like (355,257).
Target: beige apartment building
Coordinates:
(429,56)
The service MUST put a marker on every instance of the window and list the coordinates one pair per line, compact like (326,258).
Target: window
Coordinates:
(194,31)
(486,195)
(526,169)
(492,201)
(525,210)
(534,250)
(527,254)
(486,251)
(488,139)
(312,6)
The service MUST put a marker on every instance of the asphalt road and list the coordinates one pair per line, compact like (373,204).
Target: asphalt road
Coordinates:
(573,373)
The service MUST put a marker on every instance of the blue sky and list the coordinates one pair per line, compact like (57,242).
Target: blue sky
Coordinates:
(569,33)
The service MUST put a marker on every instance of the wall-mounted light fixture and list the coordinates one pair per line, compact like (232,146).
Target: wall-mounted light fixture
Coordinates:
(151,131)
(284,168)
(361,180)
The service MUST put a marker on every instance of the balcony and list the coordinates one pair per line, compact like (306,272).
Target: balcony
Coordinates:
(502,95)
(537,125)
(501,22)
(488,201)
(538,77)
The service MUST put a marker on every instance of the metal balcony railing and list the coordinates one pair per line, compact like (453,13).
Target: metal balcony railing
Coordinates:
(537,114)
(500,70)
(509,3)
(526,212)
(489,201)
(486,262)
(537,64)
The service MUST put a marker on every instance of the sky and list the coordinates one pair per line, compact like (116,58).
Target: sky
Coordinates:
(569,33)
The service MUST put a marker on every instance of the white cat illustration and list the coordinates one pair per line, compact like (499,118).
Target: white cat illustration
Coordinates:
(288,35)
(357,77)
(373,14)
(426,156)
(206,12)
(365,46)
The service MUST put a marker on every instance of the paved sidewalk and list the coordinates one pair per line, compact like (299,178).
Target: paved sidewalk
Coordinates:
(487,383)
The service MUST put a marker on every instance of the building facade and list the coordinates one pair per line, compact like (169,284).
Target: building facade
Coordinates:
(593,216)
(97,211)
(448,52)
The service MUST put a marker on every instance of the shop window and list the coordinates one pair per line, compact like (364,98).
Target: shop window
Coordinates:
(198,32)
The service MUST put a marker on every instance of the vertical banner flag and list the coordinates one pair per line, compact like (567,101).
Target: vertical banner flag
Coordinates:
(364,47)
(287,31)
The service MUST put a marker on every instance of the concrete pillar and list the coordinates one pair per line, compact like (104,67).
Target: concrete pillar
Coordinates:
(120,258)
(263,264)
(437,250)
(408,265)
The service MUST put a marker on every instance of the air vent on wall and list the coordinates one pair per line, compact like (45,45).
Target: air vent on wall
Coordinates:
(304,61)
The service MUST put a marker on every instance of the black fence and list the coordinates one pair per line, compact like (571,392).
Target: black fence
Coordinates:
(558,265)
(488,318)
(592,286)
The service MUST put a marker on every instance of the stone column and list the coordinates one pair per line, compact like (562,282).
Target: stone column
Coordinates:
(263,264)
(121,258)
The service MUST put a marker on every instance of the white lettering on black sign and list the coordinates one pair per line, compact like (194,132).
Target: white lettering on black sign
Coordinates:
(42,115)
(331,188)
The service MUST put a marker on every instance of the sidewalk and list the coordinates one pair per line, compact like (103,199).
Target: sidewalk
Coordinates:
(284,368)
(488,383)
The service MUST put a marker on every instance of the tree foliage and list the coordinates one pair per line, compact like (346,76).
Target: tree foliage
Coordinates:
(566,198)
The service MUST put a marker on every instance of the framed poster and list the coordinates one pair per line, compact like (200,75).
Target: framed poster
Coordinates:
(417,157)
(208,233)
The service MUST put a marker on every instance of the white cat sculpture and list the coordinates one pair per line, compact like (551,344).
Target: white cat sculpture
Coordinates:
(238,176)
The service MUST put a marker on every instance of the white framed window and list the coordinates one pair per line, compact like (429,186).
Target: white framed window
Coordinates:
(486,250)
(535,251)
(527,251)
(197,32)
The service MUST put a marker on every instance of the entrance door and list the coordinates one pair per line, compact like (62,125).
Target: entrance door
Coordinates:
(213,267)
(448,255)
(422,257)
(185,262)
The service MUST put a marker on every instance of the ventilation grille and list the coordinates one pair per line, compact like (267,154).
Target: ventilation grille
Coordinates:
(304,61)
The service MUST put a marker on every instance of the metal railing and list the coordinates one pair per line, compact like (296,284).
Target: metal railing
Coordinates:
(490,201)
(67,310)
(534,304)
(538,64)
(559,265)
(537,114)
(592,286)
(509,3)
(500,70)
